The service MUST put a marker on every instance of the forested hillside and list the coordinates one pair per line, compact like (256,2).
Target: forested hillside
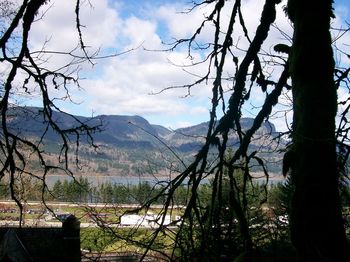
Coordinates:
(130,145)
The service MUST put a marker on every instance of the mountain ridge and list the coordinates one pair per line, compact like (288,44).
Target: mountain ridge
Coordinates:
(127,145)
(120,130)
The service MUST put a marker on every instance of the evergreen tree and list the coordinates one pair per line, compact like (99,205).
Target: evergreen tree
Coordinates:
(57,190)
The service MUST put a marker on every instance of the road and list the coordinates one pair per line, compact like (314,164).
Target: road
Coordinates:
(92,205)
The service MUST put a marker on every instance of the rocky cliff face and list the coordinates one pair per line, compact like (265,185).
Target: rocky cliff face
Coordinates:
(128,145)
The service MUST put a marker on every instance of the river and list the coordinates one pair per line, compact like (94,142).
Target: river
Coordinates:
(134,180)
(98,180)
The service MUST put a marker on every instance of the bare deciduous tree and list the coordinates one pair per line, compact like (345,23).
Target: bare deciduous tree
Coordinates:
(317,227)
(25,73)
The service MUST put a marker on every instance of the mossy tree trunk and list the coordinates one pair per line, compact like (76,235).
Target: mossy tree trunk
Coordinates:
(316,222)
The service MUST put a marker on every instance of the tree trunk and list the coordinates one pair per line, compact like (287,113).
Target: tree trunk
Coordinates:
(317,228)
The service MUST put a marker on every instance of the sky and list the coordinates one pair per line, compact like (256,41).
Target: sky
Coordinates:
(131,83)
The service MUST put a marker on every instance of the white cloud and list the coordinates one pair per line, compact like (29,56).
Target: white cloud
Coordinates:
(100,25)
(122,85)
(181,124)
(140,31)
(126,82)
(182,24)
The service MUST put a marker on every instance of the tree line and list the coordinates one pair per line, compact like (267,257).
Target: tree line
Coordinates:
(80,190)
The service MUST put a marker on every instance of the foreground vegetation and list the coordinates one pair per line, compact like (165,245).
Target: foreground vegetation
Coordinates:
(267,209)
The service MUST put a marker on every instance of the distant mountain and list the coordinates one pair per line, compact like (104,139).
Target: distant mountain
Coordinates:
(133,131)
(191,138)
(120,131)
(126,142)
(162,131)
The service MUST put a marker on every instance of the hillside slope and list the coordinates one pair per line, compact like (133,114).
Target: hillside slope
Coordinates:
(127,145)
